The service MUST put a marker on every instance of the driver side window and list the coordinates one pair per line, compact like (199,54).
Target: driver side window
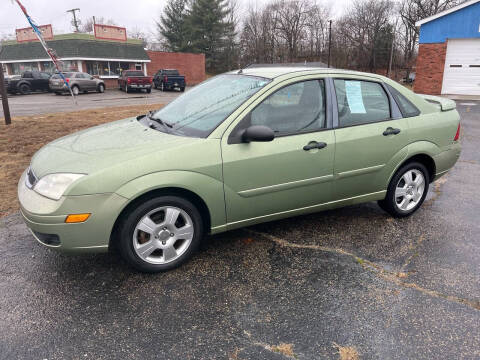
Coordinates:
(294,109)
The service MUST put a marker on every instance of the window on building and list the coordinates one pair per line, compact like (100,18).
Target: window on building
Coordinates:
(20,68)
(48,66)
(106,68)
(139,67)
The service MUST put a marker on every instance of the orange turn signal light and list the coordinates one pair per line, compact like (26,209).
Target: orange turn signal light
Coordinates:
(77,218)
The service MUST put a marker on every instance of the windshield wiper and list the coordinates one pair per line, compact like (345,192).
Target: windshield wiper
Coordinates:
(158,120)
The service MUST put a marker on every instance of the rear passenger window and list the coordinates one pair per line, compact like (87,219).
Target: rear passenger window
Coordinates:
(406,107)
(294,109)
(361,102)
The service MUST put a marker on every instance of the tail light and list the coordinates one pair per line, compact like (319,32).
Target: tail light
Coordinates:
(129,80)
(165,78)
(150,79)
(457,135)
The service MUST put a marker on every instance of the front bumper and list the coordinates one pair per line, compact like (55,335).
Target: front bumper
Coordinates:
(46,219)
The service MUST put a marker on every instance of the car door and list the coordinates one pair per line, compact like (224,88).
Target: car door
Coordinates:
(294,170)
(371,137)
(43,81)
(90,83)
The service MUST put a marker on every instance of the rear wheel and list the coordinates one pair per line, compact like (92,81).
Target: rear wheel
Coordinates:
(407,190)
(149,91)
(25,89)
(160,234)
(182,89)
(127,90)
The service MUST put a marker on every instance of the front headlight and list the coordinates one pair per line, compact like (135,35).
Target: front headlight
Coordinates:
(54,185)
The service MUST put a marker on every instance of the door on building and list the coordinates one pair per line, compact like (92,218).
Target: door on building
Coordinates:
(462,67)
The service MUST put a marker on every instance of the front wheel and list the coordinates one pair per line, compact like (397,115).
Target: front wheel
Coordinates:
(75,90)
(407,190)
(25,89)
(160,234)
(101,88)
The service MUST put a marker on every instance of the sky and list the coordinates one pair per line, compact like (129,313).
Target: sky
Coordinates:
(139,14)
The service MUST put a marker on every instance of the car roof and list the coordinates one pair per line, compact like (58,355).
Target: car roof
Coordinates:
(287,72)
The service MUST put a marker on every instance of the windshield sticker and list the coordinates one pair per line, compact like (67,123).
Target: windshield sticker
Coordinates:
(353,90)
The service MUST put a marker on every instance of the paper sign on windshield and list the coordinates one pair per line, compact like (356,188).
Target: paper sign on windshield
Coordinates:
(353,90)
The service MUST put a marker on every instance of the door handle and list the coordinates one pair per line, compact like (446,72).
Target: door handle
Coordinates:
(314,145)
(391,131)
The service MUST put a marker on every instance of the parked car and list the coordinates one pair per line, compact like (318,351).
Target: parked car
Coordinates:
(240,149)
(169,79)
(134,80)
(78,82)
(28,82)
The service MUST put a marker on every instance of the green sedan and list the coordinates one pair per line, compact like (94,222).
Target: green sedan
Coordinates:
(242,148)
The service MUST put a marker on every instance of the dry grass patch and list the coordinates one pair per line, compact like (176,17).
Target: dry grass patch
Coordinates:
(20,140)
(284,349)
(347,352)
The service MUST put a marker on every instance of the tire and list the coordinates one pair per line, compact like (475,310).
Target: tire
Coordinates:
(127,90)
(75,90)
(149,91)
(407,190)
(165,249)
(58,93)
(101,88)
(155,85)
(24,89)
(182,89)
(162,87)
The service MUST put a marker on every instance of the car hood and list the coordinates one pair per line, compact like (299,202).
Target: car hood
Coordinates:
(102,146)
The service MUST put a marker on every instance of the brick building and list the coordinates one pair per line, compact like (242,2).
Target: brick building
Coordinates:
(449,51)
(104,54)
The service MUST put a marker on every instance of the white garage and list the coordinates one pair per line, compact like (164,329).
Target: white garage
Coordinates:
(462,67)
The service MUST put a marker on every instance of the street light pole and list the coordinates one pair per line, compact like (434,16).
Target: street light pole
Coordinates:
(329,41)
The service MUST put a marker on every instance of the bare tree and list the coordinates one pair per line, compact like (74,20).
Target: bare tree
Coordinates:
(87,25)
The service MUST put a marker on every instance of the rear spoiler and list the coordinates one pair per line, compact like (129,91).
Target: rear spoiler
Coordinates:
(443,103)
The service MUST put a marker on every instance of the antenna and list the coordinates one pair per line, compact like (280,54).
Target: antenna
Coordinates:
(75,22)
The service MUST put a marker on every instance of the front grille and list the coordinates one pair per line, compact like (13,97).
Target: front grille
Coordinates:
(47,239)
(30,179)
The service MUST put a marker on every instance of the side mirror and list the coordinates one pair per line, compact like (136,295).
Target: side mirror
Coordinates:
(258,133)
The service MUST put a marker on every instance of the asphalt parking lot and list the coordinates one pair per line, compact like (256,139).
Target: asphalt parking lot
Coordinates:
(353,277)
(45,103)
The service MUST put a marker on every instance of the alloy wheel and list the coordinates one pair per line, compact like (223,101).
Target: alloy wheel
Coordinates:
(409,190)
(163,235)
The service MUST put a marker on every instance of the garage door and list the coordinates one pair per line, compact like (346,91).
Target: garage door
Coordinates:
(462,67)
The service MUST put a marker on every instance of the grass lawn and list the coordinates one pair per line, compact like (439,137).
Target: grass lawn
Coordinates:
(20,140)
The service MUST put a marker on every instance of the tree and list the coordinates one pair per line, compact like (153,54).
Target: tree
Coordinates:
(211,29)
(173,28)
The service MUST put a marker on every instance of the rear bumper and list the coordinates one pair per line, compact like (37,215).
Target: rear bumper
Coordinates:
(139,86)
(46,219)
(61,87)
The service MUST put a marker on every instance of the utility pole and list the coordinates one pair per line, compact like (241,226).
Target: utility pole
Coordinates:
(75,22)
(329,41)
(3,92)
(389,71)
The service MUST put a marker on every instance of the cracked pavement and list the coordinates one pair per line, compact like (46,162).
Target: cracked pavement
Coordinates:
(299,288)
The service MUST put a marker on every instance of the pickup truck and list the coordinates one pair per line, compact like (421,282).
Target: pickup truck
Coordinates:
(28,82)
(169,79)
(134,80)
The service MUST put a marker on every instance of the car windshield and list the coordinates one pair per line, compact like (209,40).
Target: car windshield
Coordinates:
(199,111)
